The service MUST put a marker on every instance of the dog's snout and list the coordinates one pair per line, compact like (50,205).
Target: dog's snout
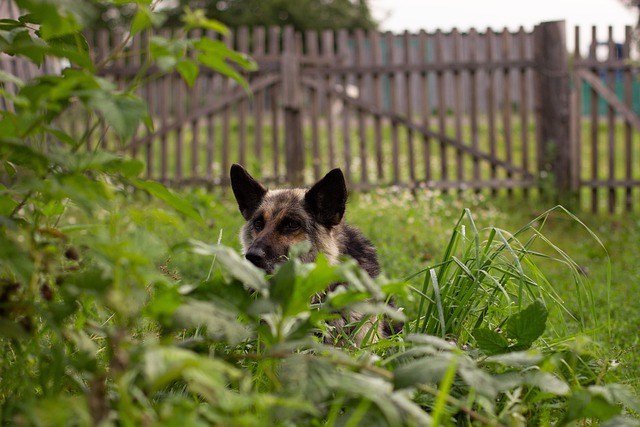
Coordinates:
(257,257)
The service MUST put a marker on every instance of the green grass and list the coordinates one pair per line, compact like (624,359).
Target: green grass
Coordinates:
(412,230)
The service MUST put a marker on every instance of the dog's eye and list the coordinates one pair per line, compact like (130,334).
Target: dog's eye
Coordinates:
(292,225)
(258,224)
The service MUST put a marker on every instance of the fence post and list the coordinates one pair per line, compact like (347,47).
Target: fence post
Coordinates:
(552,105)
(292,105)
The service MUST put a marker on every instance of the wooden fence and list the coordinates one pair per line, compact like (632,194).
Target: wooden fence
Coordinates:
(495,111)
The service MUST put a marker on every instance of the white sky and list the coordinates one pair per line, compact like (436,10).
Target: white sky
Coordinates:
(414,15)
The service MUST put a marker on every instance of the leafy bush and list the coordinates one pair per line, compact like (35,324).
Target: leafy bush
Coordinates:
(94,332)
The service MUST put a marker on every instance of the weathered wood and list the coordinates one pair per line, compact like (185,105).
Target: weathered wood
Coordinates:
(457,103)
(595,118)
(292,107)
(362,131)
(314,109)
(376,58)
(242,46)
(225,165)
(274,49)
(399,83)
(628,139)
(553,103)
(491,100)
(408,96)
(329,82)
(425,104)
(398,119)
(442,106)
(395,147)
(473,48)
(259,38)
(343,55)
(611,125)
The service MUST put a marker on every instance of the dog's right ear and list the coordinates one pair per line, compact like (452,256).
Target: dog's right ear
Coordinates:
(248,191)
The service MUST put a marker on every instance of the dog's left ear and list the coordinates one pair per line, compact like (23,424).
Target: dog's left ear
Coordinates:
(327,199)
(248,191)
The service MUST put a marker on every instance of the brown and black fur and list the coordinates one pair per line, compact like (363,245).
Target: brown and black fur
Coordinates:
(278,219)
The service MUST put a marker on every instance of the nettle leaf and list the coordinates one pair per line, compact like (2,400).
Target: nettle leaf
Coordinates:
(583,404)
(163,193)
(198,19)
(188,70)
(528,325)
(123,112)
(239,268)
(490,342)
(221,323)
(295,283)
(428,370)
(54,21)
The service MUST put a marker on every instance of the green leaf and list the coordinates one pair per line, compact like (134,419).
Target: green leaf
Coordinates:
(123,112)
(241,269)
(583,404)
(529,324)
(220,322)
(163,193)
(490,342)
(188,70)
(198,19)
(427,370)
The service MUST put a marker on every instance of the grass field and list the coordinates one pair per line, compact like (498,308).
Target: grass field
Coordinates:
(411,231)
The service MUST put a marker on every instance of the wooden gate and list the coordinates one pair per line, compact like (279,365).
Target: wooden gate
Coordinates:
(606,123)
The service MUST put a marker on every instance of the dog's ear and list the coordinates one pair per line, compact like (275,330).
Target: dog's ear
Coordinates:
(327,199)
(248,191)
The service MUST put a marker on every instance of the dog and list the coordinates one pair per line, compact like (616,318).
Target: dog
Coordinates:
(278,219)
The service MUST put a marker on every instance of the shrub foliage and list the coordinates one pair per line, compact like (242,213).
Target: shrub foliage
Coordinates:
(94,332)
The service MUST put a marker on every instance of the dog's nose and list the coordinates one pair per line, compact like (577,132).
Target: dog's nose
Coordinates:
(256,256)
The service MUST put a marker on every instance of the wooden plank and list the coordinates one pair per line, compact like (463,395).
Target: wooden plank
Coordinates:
(134,61)
(343,54)
(329,82)
(442,105)
(491,100)
(362,125)
(425,103)
(457,101)
(376,59)
(193,102)
(628,140)
(611,124)
(408,96)
(274,50)
(524,104)
(243,104)
(225,163)
(259,38)
(553,104)
(507,101)
(576,120)
(292,104)
(594,125)
(178,89)
(395,145)
(211,144)
(473,99)
(312,50)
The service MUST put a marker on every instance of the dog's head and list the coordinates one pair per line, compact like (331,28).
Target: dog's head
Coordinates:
(278,219)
